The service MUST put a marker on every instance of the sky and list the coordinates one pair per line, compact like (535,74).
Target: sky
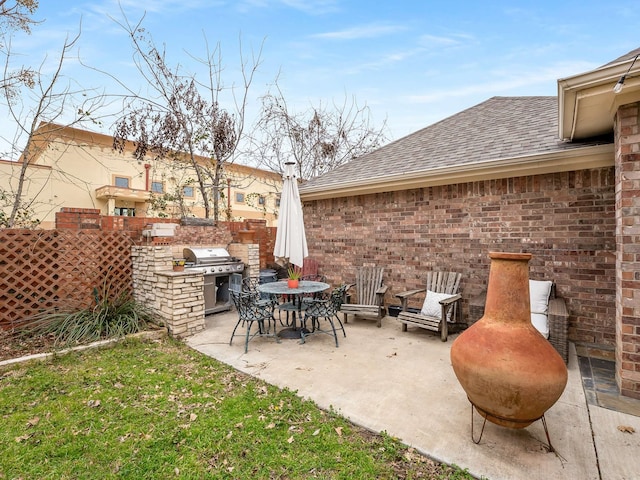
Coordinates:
(412,63)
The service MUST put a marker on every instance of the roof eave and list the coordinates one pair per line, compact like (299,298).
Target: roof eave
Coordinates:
(587,103)
(567,160)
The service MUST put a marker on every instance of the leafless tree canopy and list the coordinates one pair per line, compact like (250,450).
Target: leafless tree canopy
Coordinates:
(16,15)
(176,116)
(182,115)
(317,140)
(30,98)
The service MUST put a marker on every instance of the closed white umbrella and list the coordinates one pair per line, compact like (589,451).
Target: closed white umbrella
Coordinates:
(291,242)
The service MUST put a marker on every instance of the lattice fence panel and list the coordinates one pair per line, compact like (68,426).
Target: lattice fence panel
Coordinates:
(50,269)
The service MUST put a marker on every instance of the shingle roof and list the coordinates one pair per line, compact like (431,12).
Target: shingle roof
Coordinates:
(499,128)
(627,56)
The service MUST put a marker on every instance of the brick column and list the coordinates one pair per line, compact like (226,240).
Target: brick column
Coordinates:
(78,218)
(627,161)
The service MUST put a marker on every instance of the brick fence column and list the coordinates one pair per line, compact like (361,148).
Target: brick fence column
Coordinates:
(78,218)
(627,161)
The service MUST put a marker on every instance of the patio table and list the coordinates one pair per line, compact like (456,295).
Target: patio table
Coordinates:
(282,288)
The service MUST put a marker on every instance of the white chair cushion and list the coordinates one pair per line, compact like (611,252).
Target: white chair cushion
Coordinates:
(541,322)
(539,292)
(431,306)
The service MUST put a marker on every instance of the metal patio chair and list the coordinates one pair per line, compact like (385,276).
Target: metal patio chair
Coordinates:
(250,285)
(251,310)
(327,310)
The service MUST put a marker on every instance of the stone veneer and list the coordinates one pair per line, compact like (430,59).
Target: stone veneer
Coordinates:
(250,255)
(177,298)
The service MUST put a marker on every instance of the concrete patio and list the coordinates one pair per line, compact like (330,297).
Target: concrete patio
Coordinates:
(403,383)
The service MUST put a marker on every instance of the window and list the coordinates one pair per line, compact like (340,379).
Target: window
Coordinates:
(187,192)
(157,187)
(239,197)
(125,212)
(278,202)
(121,182)
(262,200)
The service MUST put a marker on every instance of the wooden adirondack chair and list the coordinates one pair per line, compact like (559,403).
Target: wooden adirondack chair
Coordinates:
(369,295)
(309,267)
(447,283)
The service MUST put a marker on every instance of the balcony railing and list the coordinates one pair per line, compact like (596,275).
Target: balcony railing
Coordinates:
(121,193)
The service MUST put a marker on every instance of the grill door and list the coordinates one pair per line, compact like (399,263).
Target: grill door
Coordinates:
(210,293)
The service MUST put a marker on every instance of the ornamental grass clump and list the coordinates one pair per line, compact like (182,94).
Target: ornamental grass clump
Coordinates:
(114,315)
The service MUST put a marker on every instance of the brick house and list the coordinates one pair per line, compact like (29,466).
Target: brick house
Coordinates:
(558,177)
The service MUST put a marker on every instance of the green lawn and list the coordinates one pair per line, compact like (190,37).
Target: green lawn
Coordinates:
(154,410)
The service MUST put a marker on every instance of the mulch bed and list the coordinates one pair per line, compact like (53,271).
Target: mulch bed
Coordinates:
(13,347)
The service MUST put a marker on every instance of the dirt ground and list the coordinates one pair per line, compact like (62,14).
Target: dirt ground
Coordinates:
(11,347)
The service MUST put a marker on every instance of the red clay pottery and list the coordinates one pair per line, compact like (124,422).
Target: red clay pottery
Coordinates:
(510,372)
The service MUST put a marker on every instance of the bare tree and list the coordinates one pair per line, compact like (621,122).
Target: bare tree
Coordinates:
(182,119)
(14,16)
(17,15)
(31,98)
(317,140)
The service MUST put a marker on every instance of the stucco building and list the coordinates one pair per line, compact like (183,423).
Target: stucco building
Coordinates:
(71,167)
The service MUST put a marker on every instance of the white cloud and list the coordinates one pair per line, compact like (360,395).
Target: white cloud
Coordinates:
(363,31)
(502,82)
(311,7)
(314,7)
(383,61)
(438,41)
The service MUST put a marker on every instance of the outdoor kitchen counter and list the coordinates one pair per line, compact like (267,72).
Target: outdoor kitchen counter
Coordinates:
(172,273)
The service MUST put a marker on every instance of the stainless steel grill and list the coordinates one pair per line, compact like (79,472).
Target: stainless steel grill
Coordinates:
(212,260)
(219,269)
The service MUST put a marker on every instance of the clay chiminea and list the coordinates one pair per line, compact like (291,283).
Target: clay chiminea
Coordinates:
(510,372)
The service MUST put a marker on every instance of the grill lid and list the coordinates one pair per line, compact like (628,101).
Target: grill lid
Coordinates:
(208,256)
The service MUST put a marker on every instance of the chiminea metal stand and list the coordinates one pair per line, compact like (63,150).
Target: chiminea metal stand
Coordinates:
(544,424)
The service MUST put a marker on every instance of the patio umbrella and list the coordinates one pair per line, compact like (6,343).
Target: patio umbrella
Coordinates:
(291,242)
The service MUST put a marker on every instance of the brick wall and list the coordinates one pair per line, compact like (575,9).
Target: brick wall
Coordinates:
(264,236)
(566,220)
(224,233)
(78,219)
(195,235)
(69,218)
(627,135)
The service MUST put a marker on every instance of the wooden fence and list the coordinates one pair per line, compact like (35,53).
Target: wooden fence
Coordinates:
(49,269)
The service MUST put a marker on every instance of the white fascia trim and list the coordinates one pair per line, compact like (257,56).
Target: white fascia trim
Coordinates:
(568,160)
(569,88)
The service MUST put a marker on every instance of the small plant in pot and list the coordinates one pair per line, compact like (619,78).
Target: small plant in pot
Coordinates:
(294,274)
(178,264)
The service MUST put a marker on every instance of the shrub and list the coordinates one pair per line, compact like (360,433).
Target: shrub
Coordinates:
(114,315)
